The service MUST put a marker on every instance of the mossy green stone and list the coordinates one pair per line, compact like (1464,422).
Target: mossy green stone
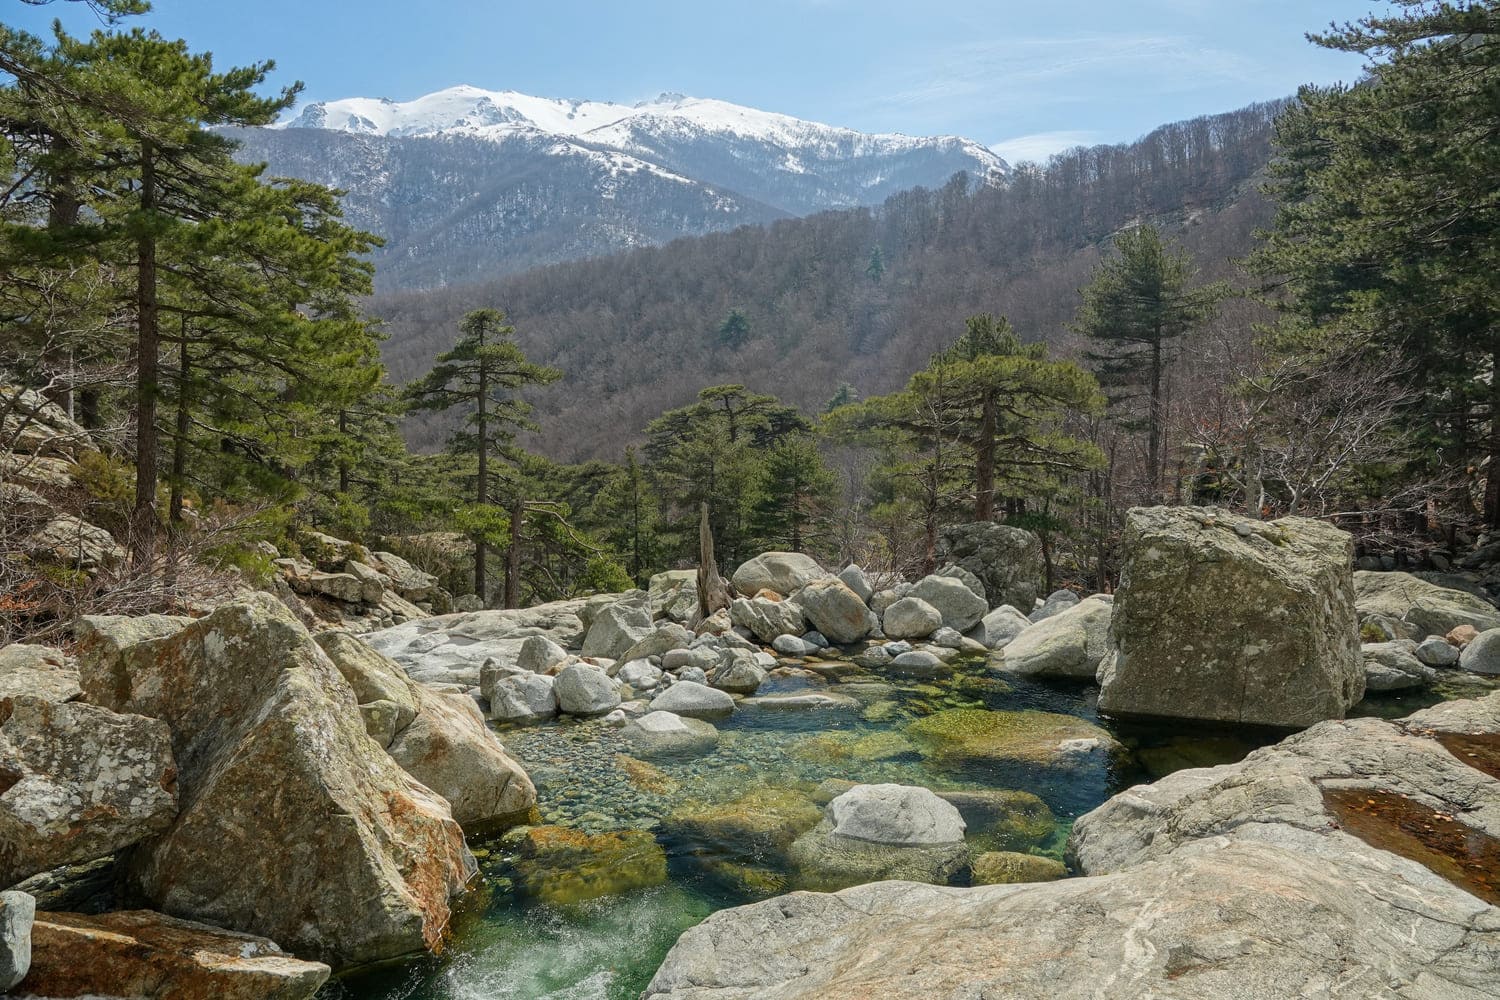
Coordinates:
(1026,738)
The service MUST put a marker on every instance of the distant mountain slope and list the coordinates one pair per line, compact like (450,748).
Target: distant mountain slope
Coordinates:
(466,184)
(637,333)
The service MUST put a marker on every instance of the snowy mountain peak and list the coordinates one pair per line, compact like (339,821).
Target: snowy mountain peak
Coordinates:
(498,115)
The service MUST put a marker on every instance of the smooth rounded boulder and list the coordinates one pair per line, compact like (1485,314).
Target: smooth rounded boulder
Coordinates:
(1066,643)
(835,610)
(780,572)
(693,700)
(960,607)
(584,689)
(1226,619)
(911,618)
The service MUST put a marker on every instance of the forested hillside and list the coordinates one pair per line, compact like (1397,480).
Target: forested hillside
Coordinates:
(857,296)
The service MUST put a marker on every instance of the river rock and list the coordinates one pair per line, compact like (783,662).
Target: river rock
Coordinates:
(855,579)
(1393,666)
(1284,785)
(1069,642)
(584,689)
(693,700)
(79,782)
(1430,609)
(616,628)
(1228,919)
(997,629)
(452,649)
(835,610)
(738,672)
(1482,654)
(640,675)
(1007,560)
(661,733)
(1011,741)
(273,757)
(1010,868)
(664,638)
(767,619)
(1435,651)
(38,671)
(449,749)
(883,831)
(901,815)
(779,572)
(806,701)
(1056,602)
(17,914)
(791,645)
(673,595)
(1227,619)
(538,653)
(959,606)
(561,866)
(407,580)
(137,953)
(520,697)
(911,618)
(918,663)
(701,658)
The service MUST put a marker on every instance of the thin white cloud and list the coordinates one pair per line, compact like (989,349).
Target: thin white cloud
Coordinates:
(1038,147)
(1036,72)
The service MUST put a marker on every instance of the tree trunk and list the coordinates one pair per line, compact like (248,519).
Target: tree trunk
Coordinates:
(143,517)
(343,460)
(1492,474)
(512,598)
(1153,432)
(482,490)
(179,443)
(713,592)
(984,462)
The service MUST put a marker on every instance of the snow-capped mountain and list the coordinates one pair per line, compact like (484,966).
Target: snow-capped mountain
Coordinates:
(468,183)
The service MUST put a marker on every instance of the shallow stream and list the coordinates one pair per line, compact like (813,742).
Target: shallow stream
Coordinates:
(509,945)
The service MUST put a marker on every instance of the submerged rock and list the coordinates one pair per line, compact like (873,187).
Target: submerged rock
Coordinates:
(755,832)
(143,954)
(559,865)
(1226,619)
(661,733)
(1025,739)
(1009,868)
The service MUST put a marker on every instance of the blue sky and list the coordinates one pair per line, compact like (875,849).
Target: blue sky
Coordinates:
(1025,77)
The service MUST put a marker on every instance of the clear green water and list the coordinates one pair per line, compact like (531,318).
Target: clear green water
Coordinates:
(505,948)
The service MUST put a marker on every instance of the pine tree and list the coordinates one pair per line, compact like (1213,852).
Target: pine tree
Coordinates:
(734,332)
(875,269)
(1139,305)
(629,517)
(1385,229)
(798,493)
(483,373)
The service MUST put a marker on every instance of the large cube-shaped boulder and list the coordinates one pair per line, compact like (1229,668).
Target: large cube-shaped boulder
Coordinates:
(1223,618)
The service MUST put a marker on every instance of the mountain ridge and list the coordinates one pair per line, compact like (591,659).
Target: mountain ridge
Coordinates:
(467,184)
